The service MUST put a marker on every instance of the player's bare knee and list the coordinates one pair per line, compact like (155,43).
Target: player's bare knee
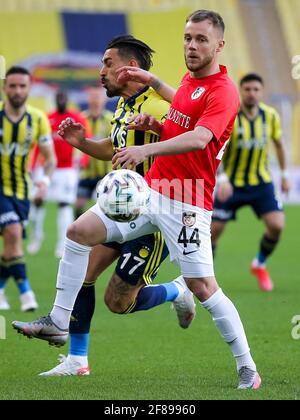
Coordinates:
(77,233)
(203,288)
(276,228)
(13,235)
(115,303)
(119,295)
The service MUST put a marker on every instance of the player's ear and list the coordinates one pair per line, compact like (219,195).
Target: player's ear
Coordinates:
(133,63)
(221,45)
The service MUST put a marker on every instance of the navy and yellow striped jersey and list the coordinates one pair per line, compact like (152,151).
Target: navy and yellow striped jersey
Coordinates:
(246,161)
(146,101)
(16,142)
(101,128)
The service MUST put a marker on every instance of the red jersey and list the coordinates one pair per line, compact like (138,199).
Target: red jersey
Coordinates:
(64,151)
(213,103)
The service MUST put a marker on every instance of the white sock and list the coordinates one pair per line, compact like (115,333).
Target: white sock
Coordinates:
(65,218)
(81,360)
(179,282)
(70,278)
(38,217)
(229,324)
(258,264)
(32,213)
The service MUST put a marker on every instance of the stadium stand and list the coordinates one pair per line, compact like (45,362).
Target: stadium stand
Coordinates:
(91,5)
(237,57)
(262,37)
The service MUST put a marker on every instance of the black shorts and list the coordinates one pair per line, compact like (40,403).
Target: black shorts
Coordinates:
(13,210)
(140,258)
(86,187)
(263,199)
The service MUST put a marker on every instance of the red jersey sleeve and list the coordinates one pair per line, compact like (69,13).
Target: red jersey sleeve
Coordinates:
(221,108)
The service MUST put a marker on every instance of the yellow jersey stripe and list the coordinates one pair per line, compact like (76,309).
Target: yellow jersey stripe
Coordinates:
(5,158)
(147,101)
(16,142)
(247,158)
(146,276)
(152,263)
(101,128)
(157,261)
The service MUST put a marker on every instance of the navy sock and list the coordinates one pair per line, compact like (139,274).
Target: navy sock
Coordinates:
(81,320)
(4,274)
(267,247)
(152,296)
(17,270)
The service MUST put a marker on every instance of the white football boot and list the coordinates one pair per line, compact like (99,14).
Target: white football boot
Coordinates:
(28,302)
(184,304)
(249,379)
(34,246)
(43,329)
(4,305)
(68,366)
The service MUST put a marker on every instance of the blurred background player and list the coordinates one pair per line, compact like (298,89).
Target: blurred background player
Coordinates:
(64,183)
(92,170)
(21,126)
(247,180)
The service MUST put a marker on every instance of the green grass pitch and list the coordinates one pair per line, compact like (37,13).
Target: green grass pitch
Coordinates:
(146,355)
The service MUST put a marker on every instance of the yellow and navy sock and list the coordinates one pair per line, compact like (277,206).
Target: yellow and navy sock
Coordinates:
(81,318)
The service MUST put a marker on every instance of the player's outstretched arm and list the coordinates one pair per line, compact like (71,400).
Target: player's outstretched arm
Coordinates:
(48,153)
(282,160)
(194,140)
(75,134)
(135,74)
(224,187)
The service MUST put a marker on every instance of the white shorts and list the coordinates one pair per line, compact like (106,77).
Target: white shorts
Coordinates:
(63,187)
(186,229)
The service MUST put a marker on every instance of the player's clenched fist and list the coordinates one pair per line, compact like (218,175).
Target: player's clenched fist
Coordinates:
(73,133)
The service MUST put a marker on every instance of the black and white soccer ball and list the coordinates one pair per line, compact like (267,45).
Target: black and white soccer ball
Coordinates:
(123,195)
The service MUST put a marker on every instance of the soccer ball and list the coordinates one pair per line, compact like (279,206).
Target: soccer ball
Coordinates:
(123,195)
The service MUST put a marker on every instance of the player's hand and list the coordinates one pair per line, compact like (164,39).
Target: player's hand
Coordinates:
(73,133)
(129,157)
(285,186)
(134,74)
(224,189)
(41,190)
(144,122)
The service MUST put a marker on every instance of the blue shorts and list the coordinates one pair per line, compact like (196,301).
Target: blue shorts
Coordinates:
(86,187)
(140,258)
(263,199)
(13,210)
